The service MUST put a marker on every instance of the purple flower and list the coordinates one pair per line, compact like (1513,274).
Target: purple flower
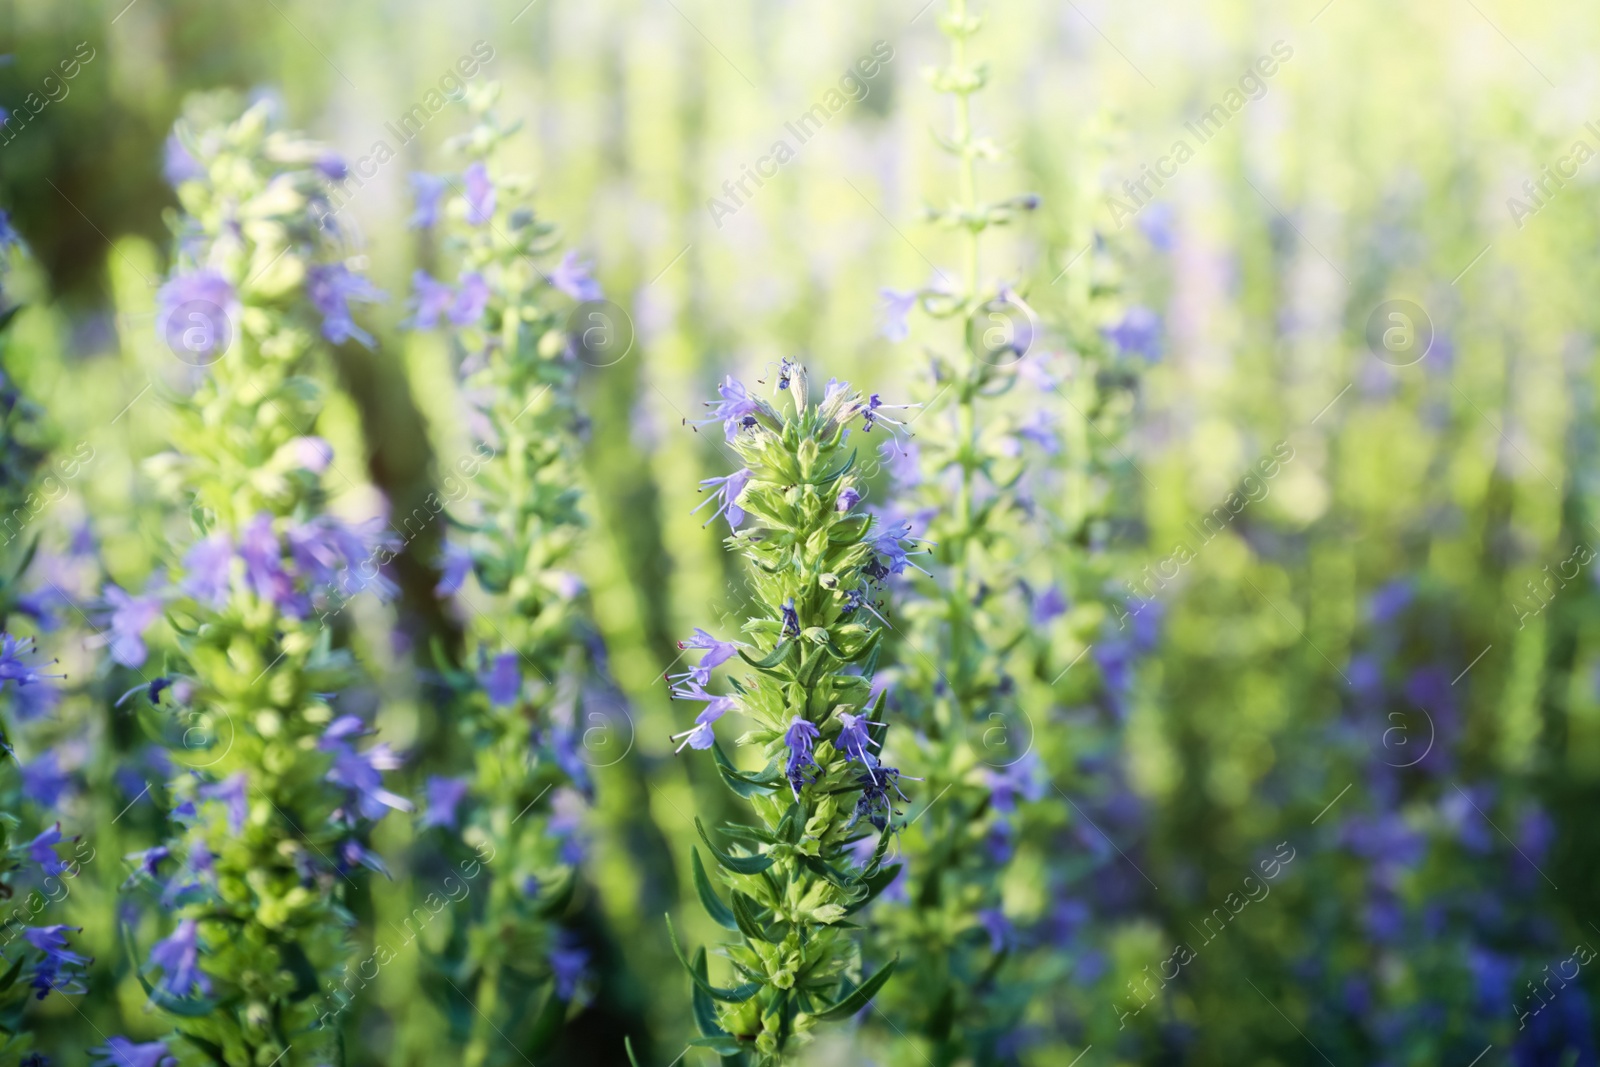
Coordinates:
(903,463)
(453,569)
(875,802)
(193,313)
(1048,605)
(331,287)
(178,956)
(726,495)
(332,168)
(503,680)
(206,570)
(1156,223)
(147,862)
(848,498)
(896,307)
(736,410)
(12,665)
(573,278)
(1037,429)
(568,962)
(263,565)
(42,850)
(129,618)
(430,298)
(231,791)
(791,619)
(480,194)
(43,780)
(444,798)
(717,653)
(1018,781)
(428,189)
(873,413)
(61,968)
(889,543)
(1139,333)
(801,736)
(361,773)
(179,166)
(120,1052)
(1388,602)
(855,740)
(701,737)
(998,926)
(471,300)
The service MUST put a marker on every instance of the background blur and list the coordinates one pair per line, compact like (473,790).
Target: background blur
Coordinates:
(1385,665)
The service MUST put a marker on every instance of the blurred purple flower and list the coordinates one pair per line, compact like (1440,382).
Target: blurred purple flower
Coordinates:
(503,680)
(231,791)
(331,287)
(129,617)
(454,567)
(179,166)
(573,278)
(120,1052)
(1138,333)
(428,190)
(896,308)
(430,298)
(178,956)
(444,798)
(568,962)
(206,570)
(470,301)
(61,968)
(480,194)
(43,780)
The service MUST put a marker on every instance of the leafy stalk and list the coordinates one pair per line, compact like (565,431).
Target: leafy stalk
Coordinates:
(811,646)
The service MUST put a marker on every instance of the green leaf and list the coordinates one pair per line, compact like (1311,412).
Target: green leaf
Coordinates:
(722,1046)
(750,925)
(744,784)
(547,1027)
(736,995)
(738,864)
(876,883)
(859,997)
(817,866)
(9,979)
(556,903)
(840,473)
(705,1011)
(627,1044)
(772,659)
(708,897)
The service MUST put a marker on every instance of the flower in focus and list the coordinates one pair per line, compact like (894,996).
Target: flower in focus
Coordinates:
(801,736)
(727,493)
(701,737)
(717,653)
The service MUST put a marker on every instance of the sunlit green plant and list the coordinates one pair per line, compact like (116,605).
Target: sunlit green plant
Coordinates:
(811,644)
(530,651)
(271,798)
